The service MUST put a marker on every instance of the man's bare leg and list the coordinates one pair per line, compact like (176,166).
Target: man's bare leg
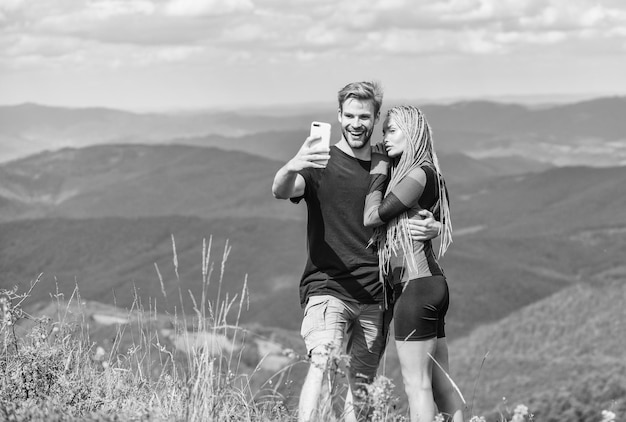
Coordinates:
(313,396)
(349,413)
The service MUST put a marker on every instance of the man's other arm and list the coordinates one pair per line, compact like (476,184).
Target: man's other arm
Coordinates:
(426,229)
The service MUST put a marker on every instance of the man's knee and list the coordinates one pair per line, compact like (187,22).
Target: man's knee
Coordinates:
(321,357)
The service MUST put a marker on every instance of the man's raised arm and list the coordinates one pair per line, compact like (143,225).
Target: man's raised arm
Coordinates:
(287,182)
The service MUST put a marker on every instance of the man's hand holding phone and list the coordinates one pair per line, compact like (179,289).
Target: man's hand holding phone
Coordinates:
(314,153)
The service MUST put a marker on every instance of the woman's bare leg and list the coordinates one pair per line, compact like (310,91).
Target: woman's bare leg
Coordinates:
(417,368)
(447,399)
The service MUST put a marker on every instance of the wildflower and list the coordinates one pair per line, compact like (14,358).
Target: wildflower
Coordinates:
(99,355)
(478,419)
(521,410)
(519,413)
(8,318)
(439,418)
(608,416)
(376,399)
(290,353)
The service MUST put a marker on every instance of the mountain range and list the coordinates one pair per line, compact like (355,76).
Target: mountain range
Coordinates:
(587,133)
(158,180)
(115,208)
(136,180)
(537,245)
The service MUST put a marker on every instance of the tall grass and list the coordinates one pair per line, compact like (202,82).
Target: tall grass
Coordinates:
(52,369)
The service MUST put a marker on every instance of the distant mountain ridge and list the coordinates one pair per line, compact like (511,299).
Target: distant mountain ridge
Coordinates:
(598,117)
(589,132)
(601,117)
(139,180)
(152,180)
(31,128)
(558,200)
(161,180)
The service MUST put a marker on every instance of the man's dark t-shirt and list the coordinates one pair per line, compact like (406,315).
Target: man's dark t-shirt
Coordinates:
(339,263)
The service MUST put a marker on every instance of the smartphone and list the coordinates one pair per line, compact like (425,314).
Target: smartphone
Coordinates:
(323,130)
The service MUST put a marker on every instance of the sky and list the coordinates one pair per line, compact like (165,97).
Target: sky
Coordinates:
(187,54)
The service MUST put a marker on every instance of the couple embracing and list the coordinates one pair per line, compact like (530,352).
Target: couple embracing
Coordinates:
(372,213)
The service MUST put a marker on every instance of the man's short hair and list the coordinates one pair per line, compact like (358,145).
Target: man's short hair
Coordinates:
(364,91)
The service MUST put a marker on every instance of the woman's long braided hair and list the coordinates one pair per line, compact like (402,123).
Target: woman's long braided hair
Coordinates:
(419,151)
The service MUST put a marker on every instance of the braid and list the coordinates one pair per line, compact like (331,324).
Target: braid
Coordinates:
(419,151)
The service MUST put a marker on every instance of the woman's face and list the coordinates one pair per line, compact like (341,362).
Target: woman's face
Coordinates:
(393,138)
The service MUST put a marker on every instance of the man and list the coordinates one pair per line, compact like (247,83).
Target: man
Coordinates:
(340,288)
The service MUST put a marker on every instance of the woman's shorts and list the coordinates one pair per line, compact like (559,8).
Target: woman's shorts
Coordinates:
(420,307)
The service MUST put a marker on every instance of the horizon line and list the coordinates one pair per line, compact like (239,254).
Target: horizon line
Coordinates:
(531,100)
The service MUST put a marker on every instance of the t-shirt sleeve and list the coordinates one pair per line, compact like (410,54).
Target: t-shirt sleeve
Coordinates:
(306,174)
(403,196)
(376,190)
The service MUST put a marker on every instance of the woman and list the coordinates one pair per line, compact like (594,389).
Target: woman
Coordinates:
(420,289)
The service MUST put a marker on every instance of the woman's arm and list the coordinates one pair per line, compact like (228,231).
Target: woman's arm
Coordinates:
(403,196)
(378,183)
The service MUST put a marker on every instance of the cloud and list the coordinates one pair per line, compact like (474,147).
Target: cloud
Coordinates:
(11,5)
(420,42)
(275,30)
(105,9)
(41,53)
(207,7)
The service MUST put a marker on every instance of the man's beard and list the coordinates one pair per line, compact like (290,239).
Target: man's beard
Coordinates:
(361,142)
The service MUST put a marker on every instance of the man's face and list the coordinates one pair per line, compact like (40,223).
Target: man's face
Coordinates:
(357,119)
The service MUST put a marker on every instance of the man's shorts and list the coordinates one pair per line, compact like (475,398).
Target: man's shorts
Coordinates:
(327,318)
